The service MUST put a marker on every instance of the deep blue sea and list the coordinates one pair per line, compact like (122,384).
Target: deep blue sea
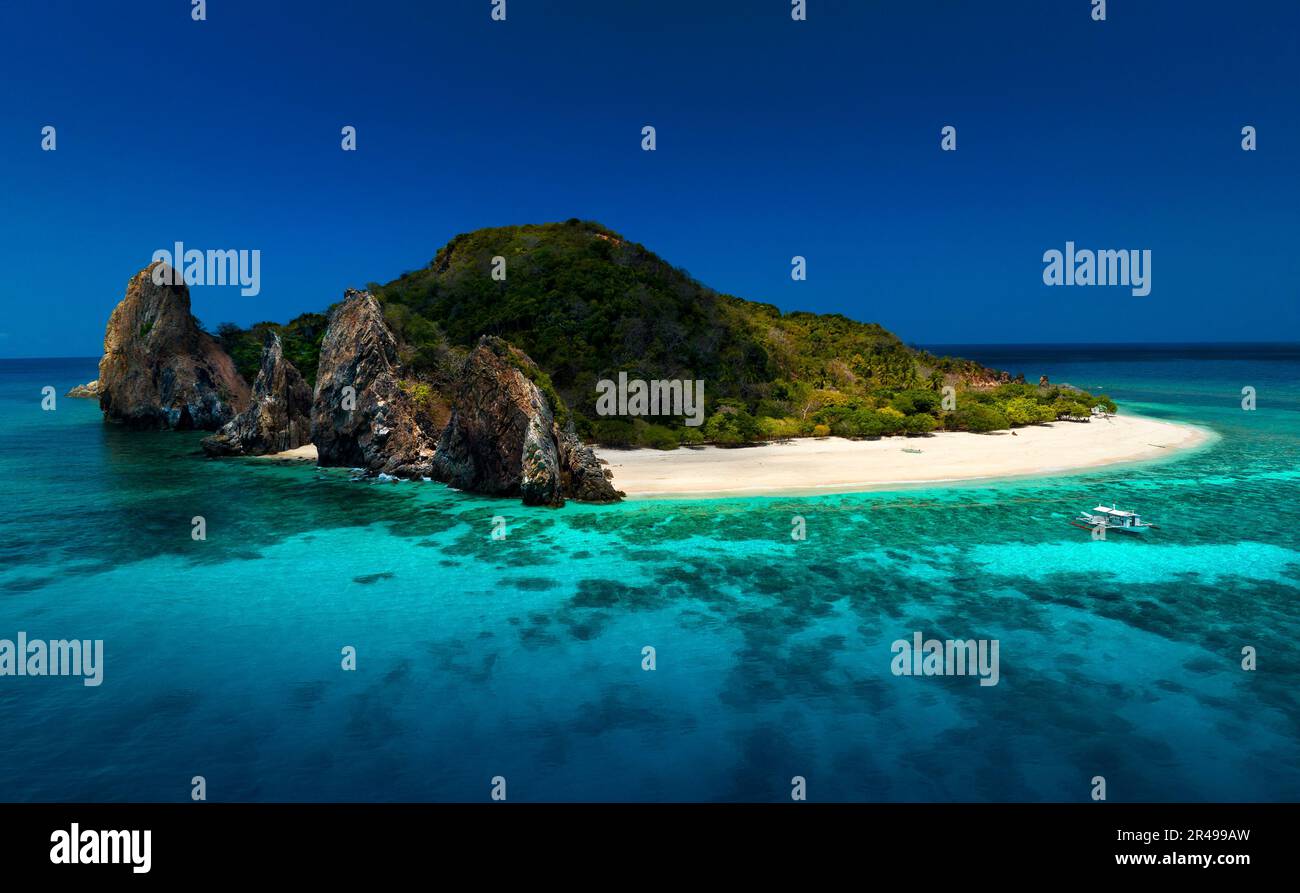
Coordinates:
(522,658)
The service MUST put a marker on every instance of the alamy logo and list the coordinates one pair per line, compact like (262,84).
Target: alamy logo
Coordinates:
(951,657)
(77,847)
(57,657)
(1086,267)
(211,267)
(655,398)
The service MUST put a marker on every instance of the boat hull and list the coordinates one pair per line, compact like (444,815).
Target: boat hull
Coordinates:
(1083,525)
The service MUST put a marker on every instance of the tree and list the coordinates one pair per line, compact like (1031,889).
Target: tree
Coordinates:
(1104,402)
(614,432)
(892,421)
(979,418)
(921,423)
(731,426)
(1065,408)
(1022,411)
(915,400)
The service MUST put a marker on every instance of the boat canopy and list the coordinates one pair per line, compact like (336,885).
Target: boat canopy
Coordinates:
(1114,512)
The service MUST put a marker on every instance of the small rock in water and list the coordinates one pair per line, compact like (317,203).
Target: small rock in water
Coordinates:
(88,391)
(367,579)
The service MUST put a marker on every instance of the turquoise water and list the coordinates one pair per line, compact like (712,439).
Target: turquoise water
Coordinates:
(522,658)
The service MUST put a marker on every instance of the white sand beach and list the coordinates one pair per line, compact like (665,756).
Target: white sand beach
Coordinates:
(304,453)
(836,465)
(833,464)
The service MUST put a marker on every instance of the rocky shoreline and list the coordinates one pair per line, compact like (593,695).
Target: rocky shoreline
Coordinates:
(492,431)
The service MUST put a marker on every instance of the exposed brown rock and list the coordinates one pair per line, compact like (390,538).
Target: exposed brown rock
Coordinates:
(498,440)
(361,417)
(981,379)
(159,369)
(279,416)
(87,391)
(581,473)
(502,439)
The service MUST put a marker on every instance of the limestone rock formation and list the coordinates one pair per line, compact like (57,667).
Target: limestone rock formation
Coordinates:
(502,439)
(159,369)
(581,473)
(87,391)
(361,417)
(279,416)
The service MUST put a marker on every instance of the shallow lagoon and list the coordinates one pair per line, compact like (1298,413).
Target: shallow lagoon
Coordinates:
(522,658)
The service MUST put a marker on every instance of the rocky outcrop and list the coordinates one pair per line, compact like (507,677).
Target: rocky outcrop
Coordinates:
(361,417)
(502,439)
(498,440)
(279,416)
(1043,382)
(87,391)
(581,474)
(159,369)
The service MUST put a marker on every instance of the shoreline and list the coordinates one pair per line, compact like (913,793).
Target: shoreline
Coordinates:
(831,465)
(825,466)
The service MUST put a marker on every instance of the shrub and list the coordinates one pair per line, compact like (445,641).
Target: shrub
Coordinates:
(613,432)
(690,436)
(864,423)
(657,437)
(921,423)
(1066,408)
(778,429)
(892,421)
(730,426)
(979,418)
(774,409)
(1022,411)
(916,400)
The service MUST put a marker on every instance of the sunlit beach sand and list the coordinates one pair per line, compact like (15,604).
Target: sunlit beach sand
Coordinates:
(833,464)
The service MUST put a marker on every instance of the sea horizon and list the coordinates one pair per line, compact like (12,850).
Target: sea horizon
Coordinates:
(946,346)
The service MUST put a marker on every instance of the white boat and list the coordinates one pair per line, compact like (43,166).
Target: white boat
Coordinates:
(1113,519)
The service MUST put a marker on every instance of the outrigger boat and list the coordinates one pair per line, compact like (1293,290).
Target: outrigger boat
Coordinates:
(1112,519)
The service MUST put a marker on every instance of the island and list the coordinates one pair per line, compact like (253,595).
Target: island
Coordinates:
(494,370)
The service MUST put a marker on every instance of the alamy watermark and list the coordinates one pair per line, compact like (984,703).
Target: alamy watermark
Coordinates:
(212,267)
(1125,267)
(90,847)
(950,657)
(681,397)
(57,657)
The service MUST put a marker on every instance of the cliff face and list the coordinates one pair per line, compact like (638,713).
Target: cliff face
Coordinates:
(502,439)
(279,416)
(361,417)
(498,431)
(159,370)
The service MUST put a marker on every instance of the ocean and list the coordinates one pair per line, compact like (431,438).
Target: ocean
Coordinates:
(522,658)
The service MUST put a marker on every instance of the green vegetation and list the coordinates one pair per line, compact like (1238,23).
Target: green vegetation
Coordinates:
(300,340)
(731,425)
(584,303)
(559,408)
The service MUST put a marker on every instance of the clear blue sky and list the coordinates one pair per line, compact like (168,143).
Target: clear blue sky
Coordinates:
(776,138)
